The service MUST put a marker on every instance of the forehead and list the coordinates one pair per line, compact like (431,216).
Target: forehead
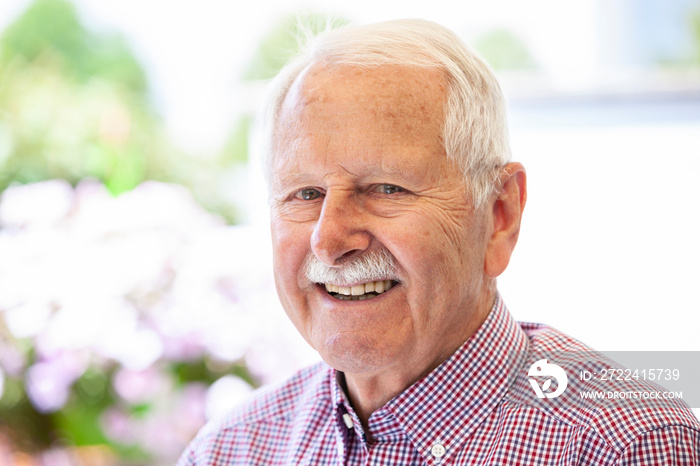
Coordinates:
(390,92)
(370,108)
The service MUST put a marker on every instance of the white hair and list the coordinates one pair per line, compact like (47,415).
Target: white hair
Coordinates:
(475,131)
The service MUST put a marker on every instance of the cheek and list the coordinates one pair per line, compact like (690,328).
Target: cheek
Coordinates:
(290,244)
(290,247)
(438,257)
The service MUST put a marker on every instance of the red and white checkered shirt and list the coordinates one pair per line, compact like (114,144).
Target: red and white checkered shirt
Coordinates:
(477,408)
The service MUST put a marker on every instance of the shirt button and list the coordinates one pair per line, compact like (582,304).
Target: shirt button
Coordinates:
(438,450)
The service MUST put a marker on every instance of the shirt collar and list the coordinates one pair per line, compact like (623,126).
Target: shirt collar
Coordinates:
(446,406)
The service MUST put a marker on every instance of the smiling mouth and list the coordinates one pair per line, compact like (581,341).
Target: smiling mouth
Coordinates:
(359,292)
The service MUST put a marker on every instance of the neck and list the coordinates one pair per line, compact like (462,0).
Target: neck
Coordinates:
(369,393)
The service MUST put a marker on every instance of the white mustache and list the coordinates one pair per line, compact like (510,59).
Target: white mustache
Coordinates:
(372,266)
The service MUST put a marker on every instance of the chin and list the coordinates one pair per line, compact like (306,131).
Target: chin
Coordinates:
(353,354)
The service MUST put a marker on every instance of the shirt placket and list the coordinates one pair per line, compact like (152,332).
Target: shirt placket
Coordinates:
(351,449)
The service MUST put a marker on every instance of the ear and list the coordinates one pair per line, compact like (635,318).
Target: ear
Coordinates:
(505,214)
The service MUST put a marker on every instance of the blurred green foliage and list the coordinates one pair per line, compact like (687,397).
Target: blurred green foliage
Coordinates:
(74,104)
(20,423)
(504,50)
(53,27)
(237,147)
(694,19)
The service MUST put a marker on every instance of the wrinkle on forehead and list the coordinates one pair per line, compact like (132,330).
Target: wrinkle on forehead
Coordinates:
(405,98)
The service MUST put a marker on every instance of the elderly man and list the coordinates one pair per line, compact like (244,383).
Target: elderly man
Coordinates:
(394,207)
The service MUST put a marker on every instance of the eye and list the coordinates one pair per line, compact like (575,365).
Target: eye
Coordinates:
(389,189)
(308,194)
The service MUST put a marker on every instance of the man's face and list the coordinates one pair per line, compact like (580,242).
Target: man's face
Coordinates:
(359,167)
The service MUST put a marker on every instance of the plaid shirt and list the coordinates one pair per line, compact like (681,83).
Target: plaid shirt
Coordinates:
(471,410)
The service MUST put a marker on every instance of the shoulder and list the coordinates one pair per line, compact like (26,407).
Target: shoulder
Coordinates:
(631,428)
(279,402)
(545,338)
(262,423)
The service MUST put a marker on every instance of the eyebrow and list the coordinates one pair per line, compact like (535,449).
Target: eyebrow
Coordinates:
(287,178)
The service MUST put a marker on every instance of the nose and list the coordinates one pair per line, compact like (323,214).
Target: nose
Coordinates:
(340,232)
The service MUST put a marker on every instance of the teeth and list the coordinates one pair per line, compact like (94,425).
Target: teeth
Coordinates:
(379,287)
(359,292)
